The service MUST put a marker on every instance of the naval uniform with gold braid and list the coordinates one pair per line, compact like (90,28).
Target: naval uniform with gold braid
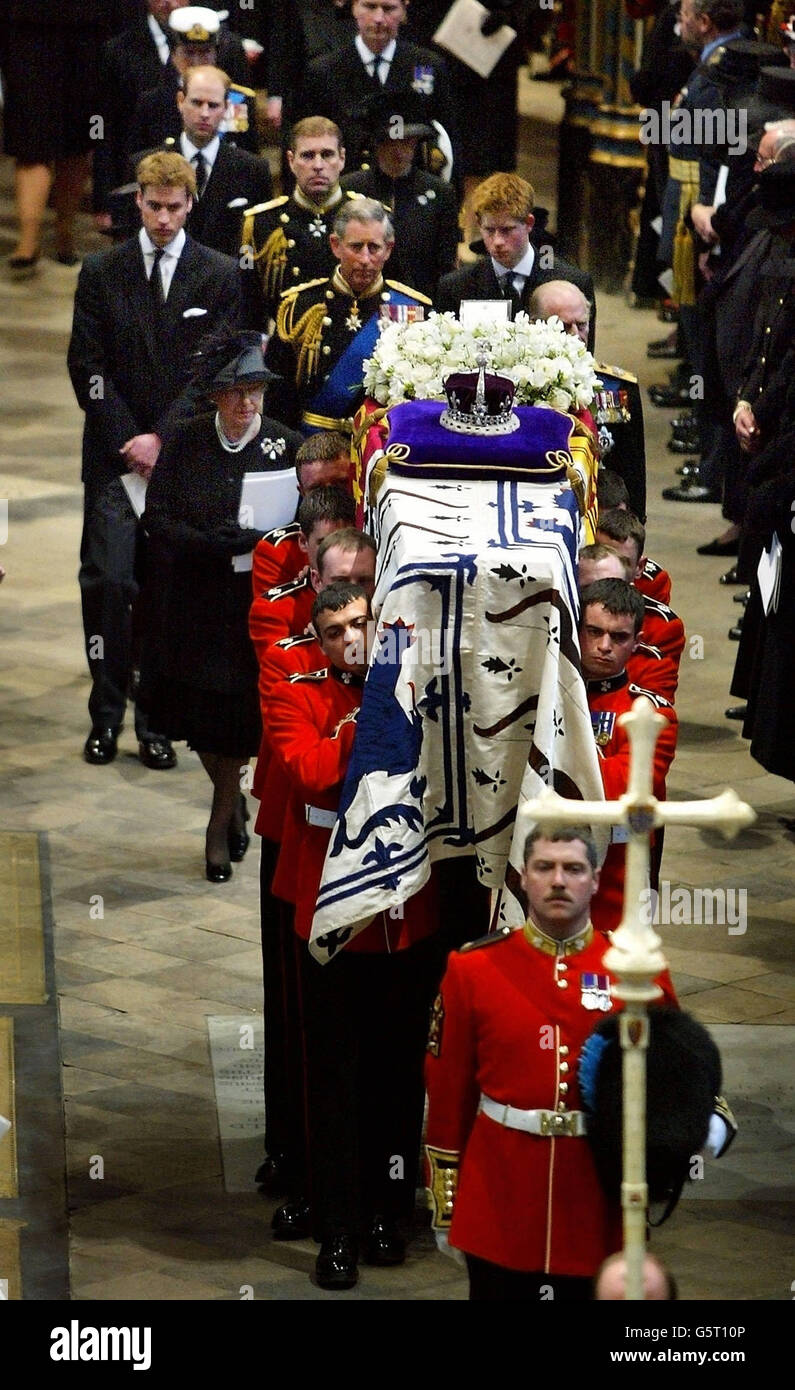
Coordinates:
(511,1174)
(324,333)
(618,411)
(288,239)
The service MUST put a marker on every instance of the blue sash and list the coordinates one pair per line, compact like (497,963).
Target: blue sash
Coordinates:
(340,394)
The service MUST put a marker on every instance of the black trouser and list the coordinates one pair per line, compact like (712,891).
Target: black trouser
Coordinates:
(366,1024)
(495,1284)
(285,1080)
(109,585)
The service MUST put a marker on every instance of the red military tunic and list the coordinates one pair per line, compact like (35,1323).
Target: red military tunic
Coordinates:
(311,723)
(664,630)
(607,699)
(509,1023)
(648,668)
(277,559)
(284,611)
(654,582)
(289,657)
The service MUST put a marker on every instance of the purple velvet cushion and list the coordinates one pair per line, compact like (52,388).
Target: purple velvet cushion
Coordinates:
(419,444)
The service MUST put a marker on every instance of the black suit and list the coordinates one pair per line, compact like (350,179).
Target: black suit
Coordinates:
(130,65)
(424,212)
(336,84)
(237,174)
(478,281)
(130,368)
(157,118)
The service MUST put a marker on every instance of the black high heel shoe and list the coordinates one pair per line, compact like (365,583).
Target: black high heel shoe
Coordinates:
(239,840)
(217,873)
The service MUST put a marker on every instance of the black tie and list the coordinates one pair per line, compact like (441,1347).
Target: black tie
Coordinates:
(201,173)
(376,70)
(509,291)
(156,279)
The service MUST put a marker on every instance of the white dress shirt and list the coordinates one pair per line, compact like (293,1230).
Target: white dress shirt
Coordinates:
(210,152)
(369,58)
(168,260)
(521,272)
(163,50)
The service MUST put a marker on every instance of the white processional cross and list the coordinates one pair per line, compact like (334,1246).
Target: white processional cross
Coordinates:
(635,957)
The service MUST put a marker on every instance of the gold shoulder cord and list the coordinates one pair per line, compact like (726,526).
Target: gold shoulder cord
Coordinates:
(306,335)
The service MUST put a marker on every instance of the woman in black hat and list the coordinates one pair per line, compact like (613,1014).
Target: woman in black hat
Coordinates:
(200,671)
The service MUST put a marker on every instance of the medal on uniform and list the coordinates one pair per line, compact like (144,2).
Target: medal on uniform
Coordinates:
(317,227)
(423,79)
(273,448)
(595,991)
(606,440)
(236,113)
(353,323)
(602,723)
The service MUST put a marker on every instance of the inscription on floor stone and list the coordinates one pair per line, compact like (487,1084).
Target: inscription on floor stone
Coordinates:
(237,1053)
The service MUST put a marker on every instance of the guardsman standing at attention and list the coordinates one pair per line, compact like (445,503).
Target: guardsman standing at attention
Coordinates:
(327,328)
(286,240)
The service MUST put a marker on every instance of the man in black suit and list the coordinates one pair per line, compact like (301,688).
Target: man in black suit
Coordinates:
(338,83)
(513,267)
(139,312)
(195,34)
(227,179)
(423,208)
(132,62)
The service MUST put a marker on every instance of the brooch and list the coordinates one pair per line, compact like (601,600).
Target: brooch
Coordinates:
(274,448)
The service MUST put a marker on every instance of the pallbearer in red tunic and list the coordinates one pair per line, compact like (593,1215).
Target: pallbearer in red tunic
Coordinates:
(512,1179)
(281,555)
(612,613)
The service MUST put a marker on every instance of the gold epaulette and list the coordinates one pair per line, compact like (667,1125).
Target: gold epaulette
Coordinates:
(489,940)
(293,290)
(406,289)
(308,676)
(266,207)
(247,91)
(620,372)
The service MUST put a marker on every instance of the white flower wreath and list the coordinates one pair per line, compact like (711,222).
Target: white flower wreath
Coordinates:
(548,365)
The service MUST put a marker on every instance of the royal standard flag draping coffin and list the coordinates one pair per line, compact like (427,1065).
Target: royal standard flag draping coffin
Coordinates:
(474,700)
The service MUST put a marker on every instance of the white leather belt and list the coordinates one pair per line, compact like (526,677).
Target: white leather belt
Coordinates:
(549,1123)
(316,815)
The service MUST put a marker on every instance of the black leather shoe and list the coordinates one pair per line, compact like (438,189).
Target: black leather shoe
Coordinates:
(731,577)
(384,1245)
(735,633)
(293,1221)
(685,421)
(690,490)
(689,469)
(336,1265)
(742,598)
(101,746)
(274,1174)
(719,548)
(669,396)
(663,347)
(157,753)
(736,712)
(217,873)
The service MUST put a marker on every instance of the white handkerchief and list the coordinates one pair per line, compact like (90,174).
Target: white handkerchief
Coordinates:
(193,313)
(238,203)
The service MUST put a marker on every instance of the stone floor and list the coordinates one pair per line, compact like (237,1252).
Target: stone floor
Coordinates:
(145,950)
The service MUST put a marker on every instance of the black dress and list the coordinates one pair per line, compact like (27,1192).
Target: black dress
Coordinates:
(199,670)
